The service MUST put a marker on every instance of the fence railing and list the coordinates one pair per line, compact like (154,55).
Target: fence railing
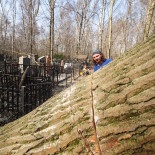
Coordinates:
(18,97)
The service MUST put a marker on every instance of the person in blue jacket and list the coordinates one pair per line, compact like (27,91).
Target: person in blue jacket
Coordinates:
(99,60)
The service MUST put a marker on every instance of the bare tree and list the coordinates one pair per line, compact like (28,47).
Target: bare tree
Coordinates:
(30,30)
(32,22)
(101,26)
(80,22)
(13,27)
(4,24)
(126,24)
(110,28)
(67,30)
(52,4)
(151,7)
(28,25)
(80,27)
(84,11)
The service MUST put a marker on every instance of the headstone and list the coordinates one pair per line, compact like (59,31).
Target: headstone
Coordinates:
(26,62)
(23,63)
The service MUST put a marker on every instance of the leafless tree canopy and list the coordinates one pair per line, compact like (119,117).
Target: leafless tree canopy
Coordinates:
(74,27)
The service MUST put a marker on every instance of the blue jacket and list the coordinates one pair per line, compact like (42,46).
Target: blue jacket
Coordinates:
(96,67)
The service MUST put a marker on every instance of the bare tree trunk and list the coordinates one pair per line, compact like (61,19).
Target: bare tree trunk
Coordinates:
(35,13)
(101,25)
(52,4)
(126,25)
(30,9)
(80,28)
(23,22)
(13,28)
(150,12)
(4,26)
(32,21)
(110,28)
(30,29)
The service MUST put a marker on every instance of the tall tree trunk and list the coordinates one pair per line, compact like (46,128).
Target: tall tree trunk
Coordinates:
(4,26)
(32,24)
(13,27)
(52,4)
(101,26)
(30,30)
(126,24)
(23,23)
(110,28)
(80,28)
(150,12)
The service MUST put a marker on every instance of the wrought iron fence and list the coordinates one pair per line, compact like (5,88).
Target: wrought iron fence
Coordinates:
(20,94)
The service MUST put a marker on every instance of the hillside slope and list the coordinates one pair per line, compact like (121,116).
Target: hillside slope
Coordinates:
(123,98)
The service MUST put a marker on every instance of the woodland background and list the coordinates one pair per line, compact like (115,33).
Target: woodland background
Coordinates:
(73,27)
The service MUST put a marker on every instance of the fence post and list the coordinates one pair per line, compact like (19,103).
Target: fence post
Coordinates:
(23,98)
(5,67)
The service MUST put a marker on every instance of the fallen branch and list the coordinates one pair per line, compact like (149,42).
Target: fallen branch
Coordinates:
(93,118)
(86,143)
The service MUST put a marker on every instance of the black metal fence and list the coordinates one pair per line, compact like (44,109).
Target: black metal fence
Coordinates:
(34,95)
(20,94)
